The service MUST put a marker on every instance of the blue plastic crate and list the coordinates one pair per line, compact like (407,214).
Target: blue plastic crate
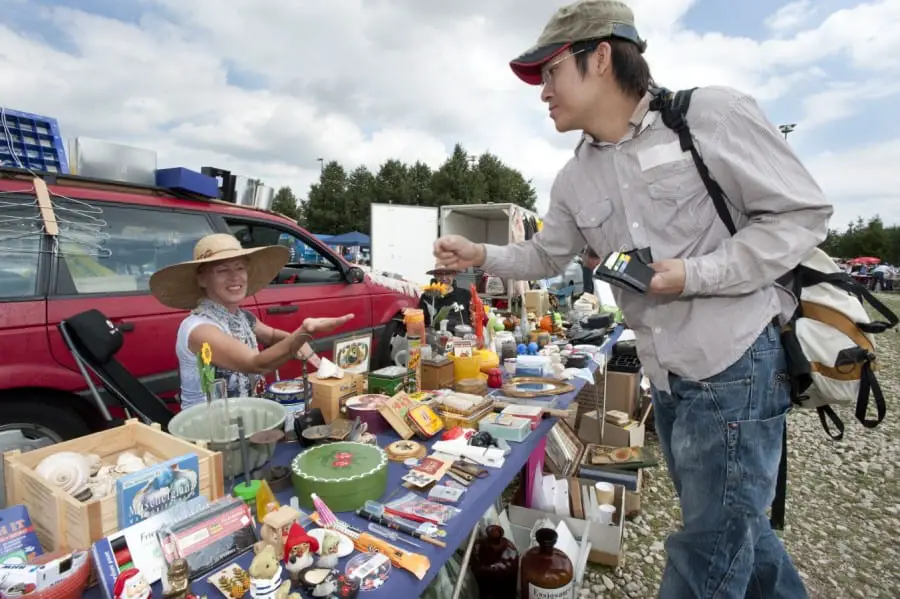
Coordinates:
(35,140)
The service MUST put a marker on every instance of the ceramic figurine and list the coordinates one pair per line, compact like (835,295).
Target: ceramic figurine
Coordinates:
(131,584)
(265,577)
(177,575)
(298,550)
(321,582)
(274,529)
(328,552)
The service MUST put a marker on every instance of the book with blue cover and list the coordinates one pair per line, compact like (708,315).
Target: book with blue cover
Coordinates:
(155,489)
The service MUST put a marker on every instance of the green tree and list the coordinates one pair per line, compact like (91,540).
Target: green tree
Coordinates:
(326,205)
(285,203)
(862,238)
(361,188)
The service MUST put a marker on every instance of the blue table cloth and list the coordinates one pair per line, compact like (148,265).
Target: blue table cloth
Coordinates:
(478,498)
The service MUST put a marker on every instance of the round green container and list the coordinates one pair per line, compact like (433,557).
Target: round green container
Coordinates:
(344,475)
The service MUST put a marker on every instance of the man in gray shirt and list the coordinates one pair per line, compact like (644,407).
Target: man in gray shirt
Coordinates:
(707,330)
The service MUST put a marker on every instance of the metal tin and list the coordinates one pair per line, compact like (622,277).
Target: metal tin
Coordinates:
(287,393)
(365,407)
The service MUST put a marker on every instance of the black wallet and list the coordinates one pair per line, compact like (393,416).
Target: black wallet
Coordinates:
(625,270)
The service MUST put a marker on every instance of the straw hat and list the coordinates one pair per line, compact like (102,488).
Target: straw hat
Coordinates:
(440,269)
(176,286)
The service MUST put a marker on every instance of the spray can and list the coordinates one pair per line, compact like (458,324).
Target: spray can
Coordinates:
(414,364)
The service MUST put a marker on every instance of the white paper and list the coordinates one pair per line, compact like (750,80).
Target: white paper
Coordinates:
(662,154)
(329,370)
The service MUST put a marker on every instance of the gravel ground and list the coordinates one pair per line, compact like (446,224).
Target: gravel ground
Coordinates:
(843,506)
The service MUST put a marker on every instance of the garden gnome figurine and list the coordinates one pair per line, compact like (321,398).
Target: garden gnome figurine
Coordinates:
(328,552)
(131,584)
(298,550)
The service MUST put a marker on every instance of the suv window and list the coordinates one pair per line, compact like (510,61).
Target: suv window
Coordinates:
(133,244)
(21,232)
(308,265)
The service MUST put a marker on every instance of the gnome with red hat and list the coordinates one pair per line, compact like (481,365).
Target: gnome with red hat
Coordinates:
(298,550)
(131,584)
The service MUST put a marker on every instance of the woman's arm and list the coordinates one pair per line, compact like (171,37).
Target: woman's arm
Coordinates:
(230,353)
(267,335)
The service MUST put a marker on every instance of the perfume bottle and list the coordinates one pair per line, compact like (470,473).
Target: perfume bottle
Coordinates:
(545,571)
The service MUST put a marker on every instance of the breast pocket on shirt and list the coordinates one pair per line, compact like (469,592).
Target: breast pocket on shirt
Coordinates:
(680,207)
(593,222)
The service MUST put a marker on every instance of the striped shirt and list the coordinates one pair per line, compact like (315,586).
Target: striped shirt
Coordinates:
(644,192)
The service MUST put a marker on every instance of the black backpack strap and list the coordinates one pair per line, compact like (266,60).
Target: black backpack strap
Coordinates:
(844,281)
(778,504)
(673,109)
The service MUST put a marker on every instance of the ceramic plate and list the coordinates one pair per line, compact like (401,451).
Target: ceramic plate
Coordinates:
(345,547)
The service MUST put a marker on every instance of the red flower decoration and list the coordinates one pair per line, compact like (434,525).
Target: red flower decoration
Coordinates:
(340,463)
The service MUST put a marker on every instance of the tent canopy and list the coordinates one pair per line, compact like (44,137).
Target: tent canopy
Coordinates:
(322,236)
(354,238)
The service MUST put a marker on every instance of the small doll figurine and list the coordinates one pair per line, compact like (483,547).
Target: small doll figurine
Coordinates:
(298,550)
(265,577)
(328,552)
(131,584)
(177,577)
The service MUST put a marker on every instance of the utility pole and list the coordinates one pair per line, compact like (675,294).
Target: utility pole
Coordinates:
(785,129)
(321,165)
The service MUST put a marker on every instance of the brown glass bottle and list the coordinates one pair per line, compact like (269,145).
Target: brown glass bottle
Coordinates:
(495,564)
(546,572)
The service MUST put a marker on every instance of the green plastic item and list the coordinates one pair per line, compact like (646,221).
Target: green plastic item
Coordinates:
(247,492)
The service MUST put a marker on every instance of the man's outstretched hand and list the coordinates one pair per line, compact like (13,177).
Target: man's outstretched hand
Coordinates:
(457,252)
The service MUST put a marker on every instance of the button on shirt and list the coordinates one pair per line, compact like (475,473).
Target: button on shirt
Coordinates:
(646,192)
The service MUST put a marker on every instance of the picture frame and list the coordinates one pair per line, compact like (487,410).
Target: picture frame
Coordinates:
(353,353)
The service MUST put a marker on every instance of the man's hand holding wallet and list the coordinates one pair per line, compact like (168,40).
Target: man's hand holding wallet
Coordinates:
(635,271)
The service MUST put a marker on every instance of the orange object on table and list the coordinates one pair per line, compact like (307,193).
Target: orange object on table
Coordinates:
(414,319)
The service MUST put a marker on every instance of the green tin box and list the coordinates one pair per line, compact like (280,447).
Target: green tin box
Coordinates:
(387,381)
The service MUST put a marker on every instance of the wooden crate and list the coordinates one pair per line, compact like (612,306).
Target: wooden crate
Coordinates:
(64,523)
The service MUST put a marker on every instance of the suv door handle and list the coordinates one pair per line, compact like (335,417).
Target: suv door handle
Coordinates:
(125,327)
(282,309)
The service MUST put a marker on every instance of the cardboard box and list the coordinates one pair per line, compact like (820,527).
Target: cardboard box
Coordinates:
(607,541)
(591,428)
(623,392)
(537,301)
(329,395)
(630,435)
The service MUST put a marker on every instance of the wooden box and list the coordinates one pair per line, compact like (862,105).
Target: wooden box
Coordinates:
(329,395)
(437,374)
(64,523)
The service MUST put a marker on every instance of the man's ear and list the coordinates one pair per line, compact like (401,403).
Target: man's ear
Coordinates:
(603,57)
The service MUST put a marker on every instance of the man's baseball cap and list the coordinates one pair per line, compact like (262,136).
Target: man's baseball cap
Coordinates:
(580,21)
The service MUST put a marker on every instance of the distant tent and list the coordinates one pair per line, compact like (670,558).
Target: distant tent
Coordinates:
(353,239)
(322,236)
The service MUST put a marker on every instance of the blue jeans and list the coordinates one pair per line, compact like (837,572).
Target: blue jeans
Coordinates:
(721,438)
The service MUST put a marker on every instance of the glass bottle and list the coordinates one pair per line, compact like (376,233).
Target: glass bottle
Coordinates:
(495,564)
(546,572)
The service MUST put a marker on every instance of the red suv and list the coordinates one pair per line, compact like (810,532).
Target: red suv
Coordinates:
(112,237)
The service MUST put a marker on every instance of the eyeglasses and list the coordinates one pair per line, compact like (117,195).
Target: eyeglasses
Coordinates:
(547,72)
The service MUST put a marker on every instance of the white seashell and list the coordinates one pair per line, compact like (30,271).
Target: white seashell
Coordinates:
(95,462)
(129,463)
(150,459)
(67,470)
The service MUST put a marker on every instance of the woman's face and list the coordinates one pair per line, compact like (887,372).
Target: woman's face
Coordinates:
(225,282)
(445,278)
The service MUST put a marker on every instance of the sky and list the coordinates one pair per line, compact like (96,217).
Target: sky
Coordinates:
(264,88)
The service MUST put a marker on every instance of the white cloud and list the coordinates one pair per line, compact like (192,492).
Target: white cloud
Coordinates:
(360,82)
(791,16)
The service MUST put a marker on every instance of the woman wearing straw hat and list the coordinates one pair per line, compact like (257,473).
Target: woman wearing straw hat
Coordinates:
(456,298)
(212,285)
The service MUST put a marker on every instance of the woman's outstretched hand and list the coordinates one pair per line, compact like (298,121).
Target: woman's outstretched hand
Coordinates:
(314,326)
